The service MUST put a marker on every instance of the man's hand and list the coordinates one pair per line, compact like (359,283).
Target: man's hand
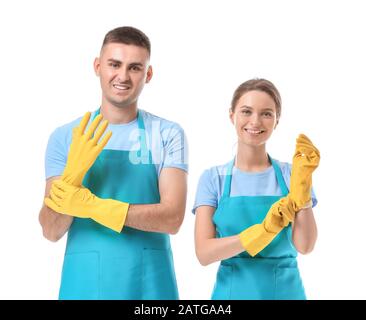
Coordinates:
(84,149)
(80,202)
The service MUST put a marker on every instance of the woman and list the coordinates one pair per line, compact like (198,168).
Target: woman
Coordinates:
(243,208)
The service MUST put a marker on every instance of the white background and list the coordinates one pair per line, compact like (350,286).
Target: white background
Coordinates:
(313,51)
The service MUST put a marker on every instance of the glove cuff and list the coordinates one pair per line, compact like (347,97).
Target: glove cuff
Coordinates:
(255,238)
(111,213)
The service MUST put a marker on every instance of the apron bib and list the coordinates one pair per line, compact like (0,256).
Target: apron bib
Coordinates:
(100,263)
(273,273)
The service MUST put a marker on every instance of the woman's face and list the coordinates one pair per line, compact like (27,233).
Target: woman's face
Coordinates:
(254,118)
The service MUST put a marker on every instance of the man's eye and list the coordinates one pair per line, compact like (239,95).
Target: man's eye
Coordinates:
(135,68)
(114,65)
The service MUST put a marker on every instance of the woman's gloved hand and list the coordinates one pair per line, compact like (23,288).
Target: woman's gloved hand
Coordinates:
(305,161)
(255,238)
(84,149)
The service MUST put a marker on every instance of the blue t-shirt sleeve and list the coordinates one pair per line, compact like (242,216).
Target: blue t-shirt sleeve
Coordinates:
(175,148)
(206,194)
(56,154)
(286,171)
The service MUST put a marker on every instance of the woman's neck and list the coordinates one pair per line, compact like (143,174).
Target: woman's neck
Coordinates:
(252,158)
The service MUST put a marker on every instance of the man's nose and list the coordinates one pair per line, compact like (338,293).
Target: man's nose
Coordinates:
(123,75)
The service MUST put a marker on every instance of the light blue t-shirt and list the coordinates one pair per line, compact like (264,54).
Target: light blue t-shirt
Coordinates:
(165,139)
(211,184)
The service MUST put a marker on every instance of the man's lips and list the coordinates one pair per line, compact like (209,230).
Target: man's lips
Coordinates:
(121,86)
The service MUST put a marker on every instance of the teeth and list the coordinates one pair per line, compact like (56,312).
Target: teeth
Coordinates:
(254,131)
(121,87)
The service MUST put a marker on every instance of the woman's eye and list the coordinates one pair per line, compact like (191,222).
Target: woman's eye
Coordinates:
(268,114)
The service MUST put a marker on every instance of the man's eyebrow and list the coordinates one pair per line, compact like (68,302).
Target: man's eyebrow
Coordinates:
(120,62)
(136,64)
(114,60)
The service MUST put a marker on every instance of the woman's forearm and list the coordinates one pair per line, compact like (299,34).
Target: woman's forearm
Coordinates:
(304,231)
(216,249)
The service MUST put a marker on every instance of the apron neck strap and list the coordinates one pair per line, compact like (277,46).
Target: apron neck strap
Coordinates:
(229,174)
(145,154)
(279,176)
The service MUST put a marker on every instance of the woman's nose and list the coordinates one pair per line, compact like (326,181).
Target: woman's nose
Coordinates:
(255,119)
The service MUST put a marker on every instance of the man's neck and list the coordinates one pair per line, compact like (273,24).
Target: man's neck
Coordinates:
(116,115)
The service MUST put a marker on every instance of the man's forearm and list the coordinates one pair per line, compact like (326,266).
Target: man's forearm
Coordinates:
(160,217)
(54,225)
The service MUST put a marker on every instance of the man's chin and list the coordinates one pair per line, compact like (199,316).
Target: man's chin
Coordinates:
(122,104)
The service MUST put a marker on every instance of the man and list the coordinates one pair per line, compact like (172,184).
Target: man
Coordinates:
(120,248)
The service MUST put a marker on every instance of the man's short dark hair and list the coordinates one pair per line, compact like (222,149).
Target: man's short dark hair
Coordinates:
(128,35)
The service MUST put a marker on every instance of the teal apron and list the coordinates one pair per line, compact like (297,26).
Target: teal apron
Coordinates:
(100,263)
(270,275)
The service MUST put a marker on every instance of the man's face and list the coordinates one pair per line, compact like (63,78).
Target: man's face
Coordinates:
(123,71)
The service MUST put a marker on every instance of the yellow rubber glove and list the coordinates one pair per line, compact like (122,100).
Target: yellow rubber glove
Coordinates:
(80,202)
(255,238)
(304,162)
(84,149)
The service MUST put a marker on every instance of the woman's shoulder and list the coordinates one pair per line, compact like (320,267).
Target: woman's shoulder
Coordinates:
(218,170)
(284,166)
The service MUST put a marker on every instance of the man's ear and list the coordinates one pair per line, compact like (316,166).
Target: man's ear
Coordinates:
(97,66)
(149,74)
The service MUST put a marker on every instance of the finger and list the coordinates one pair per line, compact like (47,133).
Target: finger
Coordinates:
(83,123)
(75,132)
(307,149)
(303,138)
(51,204)
(56,194)
(93,126)
(105,140)
(61,185)
(287,217)
(100,131)
(304,141)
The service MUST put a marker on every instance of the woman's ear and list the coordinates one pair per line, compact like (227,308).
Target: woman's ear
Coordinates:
(231,116)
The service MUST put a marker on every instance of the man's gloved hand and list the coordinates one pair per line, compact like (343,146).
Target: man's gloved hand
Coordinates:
(304,162)
(80,202)
(84,149)
(255,238)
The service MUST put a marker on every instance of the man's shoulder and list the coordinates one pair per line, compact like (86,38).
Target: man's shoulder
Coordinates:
(65,130)
(163,123)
